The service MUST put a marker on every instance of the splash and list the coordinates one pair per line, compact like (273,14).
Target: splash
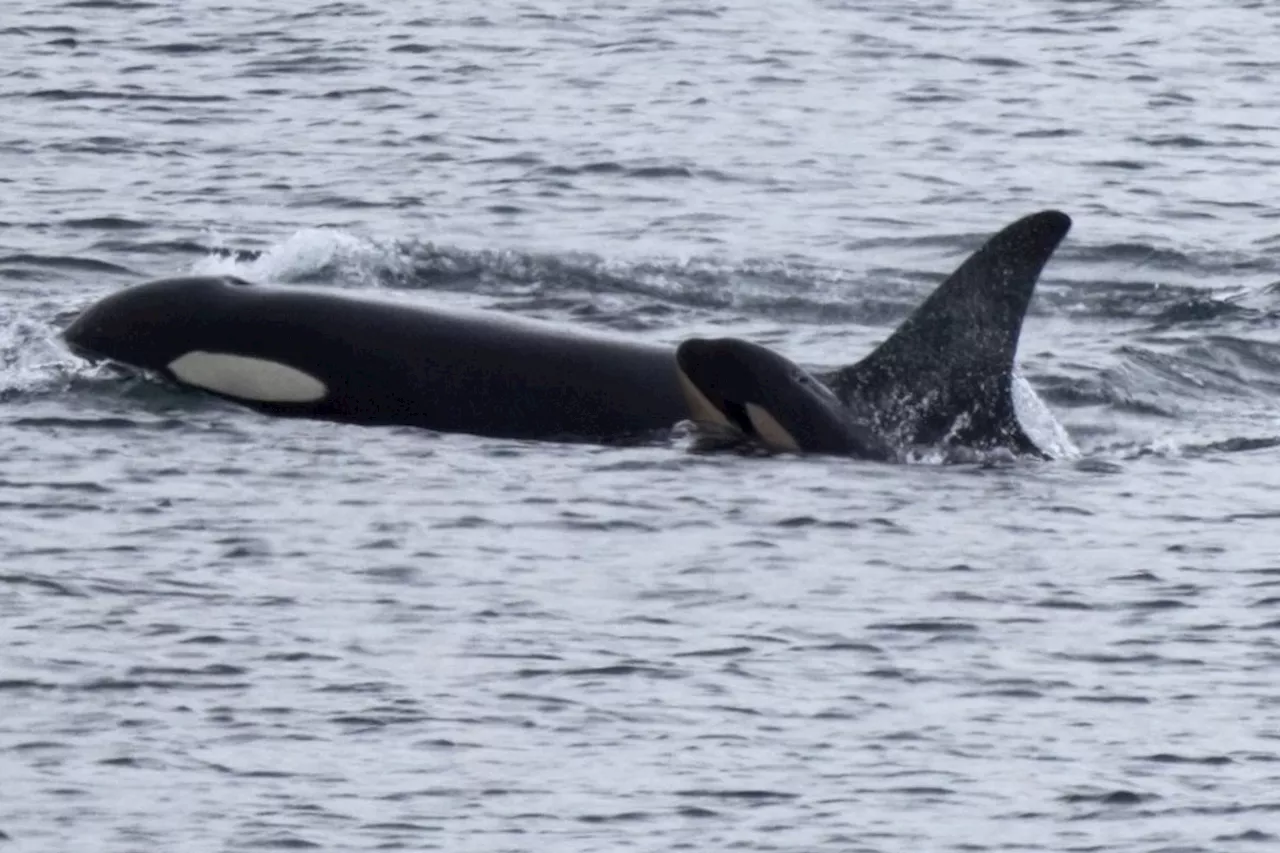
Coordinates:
(32,359)
(317,255)
(786,289)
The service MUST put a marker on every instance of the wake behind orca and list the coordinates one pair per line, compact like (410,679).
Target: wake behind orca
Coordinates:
(944,376)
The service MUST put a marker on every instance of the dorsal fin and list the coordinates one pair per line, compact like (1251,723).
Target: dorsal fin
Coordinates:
(945,375)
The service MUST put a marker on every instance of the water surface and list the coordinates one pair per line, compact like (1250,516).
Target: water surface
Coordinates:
(227,632)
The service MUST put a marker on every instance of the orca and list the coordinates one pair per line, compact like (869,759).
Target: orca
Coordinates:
(293,351)
(943,376)
(739,388)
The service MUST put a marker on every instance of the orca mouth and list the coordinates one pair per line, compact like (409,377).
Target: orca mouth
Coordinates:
(718,424)
(736,414)
(98,359)
(79,334)
(733,416)
(736,430)
(82,352)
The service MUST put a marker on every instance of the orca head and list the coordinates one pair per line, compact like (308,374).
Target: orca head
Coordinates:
(149,325)
(749,389)
(194,330)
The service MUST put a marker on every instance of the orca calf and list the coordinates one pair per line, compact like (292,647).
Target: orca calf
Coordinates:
(739,388)
(944,375)
(943,378)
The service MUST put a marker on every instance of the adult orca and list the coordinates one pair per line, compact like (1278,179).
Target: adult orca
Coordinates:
(943,378)
(944,374)
(292,351)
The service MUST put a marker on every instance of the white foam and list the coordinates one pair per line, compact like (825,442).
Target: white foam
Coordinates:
(309,254)
(247,378)
(32,356)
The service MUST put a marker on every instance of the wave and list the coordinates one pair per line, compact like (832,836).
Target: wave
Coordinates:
(790,290)
(38,264)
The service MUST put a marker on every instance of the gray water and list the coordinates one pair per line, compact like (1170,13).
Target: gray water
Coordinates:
(227,632)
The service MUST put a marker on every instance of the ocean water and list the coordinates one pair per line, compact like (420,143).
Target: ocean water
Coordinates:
(222,631)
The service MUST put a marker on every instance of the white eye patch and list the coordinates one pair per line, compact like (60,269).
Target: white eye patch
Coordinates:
(247,378)
(773,434)
(700,408)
